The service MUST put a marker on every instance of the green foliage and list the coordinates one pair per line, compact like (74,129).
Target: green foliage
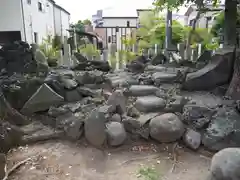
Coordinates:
(47,48)
(175,4)
(57,42)
(90,50)
(152,30)
(148,174)
(218,24)
(87,22)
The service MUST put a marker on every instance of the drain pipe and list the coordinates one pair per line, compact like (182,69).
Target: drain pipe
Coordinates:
(23,18)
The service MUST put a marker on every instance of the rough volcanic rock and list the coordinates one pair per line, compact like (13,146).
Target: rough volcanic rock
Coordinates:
(223,131)
(71,124)
(158,59)
(10,136)
(42,100)
(116,134)
(197,116)
(150,104)
(216,73)
(18,89)
(118,100)
(17,57)
(166,128)
(225,165)
(95,129)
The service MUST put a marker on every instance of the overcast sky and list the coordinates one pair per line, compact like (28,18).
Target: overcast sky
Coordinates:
(84,9)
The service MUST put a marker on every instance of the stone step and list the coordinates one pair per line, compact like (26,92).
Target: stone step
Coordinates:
(142,90)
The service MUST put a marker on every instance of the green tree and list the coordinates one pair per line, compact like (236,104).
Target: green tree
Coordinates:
(87,22)
(230,34)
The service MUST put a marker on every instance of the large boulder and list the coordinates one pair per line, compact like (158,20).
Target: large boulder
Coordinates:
(116,134)
(42,100)
(166,128)
(225,165)
(223,131)
(18,89)
(95,128)
(150,104)
(159,59)
(17,57)
(197,116)
(217,72)
(71,124)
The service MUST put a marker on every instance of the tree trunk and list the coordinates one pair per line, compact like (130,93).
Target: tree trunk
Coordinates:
(230,23)
(230,36)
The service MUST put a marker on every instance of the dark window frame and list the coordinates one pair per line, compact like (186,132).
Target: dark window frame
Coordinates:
(40,6)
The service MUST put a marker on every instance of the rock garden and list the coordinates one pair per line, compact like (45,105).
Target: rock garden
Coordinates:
(156,104)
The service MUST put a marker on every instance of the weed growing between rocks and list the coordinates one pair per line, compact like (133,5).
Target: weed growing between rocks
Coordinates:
(148,173)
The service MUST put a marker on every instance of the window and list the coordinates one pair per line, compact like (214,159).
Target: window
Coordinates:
(40,6)
(35,37)
(109,39)
(117,29)
(128,24)
(29,1)
(114,39)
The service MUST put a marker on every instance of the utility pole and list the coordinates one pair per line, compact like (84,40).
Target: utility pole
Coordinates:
(168,39)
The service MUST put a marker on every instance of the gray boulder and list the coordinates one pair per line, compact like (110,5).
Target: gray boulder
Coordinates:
(142,90)
(71,124)
(197,116)
(225,165)
(164,77)
(192,139)
(89,77)
(139,126)
(166,128)
(118,100)
(223,131)
(116,118)
(216,73)
(95,129)
(150,104)
(116,134)
(42,100)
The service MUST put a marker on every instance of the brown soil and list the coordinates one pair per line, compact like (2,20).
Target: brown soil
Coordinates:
(67,161)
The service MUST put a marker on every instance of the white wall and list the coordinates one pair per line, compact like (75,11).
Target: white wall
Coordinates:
(113,22)
(65,23)
(11,16)
(58,24)
(62,22)
(110,23)
(41,22)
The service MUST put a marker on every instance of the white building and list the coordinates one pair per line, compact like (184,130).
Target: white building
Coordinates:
(31,20)
(206,19)
(115,25)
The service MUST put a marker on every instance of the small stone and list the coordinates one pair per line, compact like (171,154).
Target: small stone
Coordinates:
(116,118)
(192,139)
(116,133)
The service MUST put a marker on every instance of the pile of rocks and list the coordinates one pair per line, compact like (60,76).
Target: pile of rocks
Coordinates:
(146,101)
